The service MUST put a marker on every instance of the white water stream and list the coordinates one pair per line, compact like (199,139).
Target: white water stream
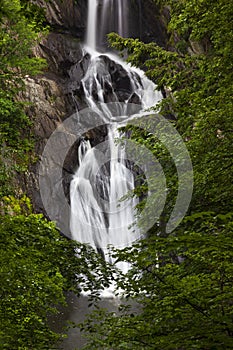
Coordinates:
(97,215)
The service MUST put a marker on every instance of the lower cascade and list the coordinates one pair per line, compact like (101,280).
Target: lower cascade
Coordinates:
(104,176)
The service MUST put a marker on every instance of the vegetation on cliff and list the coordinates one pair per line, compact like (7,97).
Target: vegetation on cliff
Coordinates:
(19,32)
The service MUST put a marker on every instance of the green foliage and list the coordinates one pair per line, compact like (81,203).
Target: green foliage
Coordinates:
(37,266)
(33,13)
(18,35)
(158,192)
(183,282)
(31,282)
(198,92)
(16,206)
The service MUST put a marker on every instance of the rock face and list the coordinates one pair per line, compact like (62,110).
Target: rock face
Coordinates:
(147,22)
(153,23)
(65,16)
(51,96)
(58,92)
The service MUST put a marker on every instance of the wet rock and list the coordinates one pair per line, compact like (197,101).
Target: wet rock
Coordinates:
(134,98)
(79,69)
(121,81)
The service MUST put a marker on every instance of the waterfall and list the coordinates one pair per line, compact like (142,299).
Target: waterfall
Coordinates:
(98,216)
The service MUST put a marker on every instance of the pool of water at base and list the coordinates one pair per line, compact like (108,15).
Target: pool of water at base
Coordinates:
(76,311)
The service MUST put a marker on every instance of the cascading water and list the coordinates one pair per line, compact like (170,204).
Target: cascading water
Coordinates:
(98,217)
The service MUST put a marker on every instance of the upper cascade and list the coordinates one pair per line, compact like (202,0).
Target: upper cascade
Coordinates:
(108,16)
